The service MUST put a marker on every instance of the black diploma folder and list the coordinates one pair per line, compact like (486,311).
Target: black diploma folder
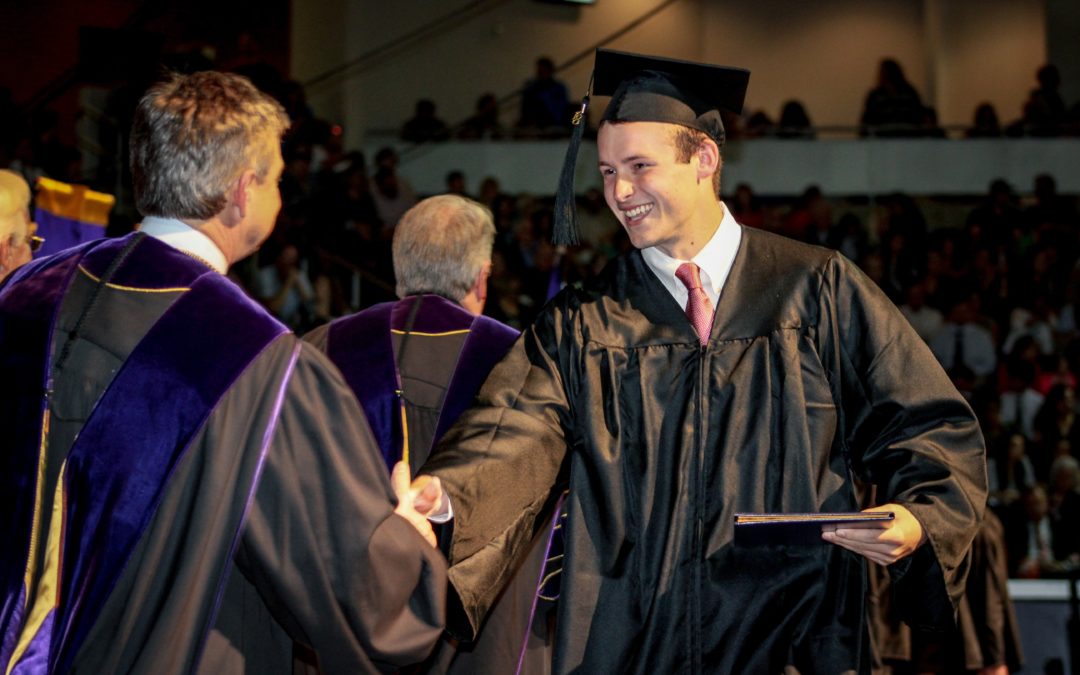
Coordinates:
(798,529)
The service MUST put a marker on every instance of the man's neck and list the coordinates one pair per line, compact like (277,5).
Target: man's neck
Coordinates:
(699,233)
(217,232)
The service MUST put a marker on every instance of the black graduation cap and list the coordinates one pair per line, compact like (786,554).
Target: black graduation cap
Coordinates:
(650,89)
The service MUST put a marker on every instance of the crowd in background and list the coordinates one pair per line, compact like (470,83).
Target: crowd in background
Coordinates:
(996,299)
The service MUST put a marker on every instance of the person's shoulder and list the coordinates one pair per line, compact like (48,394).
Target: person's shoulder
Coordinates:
(497,327)
(761,244)
(350,323)
(366,314)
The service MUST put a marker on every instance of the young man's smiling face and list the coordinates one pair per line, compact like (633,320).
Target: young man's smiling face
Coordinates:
(659,200)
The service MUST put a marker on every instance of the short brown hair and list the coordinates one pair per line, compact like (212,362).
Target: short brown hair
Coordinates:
(687,141)
(192,137)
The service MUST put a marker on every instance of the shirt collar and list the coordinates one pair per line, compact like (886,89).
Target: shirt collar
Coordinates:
(715,260)
(185,239)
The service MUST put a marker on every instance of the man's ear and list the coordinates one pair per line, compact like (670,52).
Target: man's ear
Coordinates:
(708,154)
(481,283)
(241,193)
(476,297)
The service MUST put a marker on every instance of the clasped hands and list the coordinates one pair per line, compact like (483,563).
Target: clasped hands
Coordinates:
(417,499)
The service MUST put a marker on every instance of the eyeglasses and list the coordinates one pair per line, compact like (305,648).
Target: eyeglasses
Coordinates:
(34,242)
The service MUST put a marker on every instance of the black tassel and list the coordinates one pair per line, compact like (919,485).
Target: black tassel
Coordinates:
(564,230)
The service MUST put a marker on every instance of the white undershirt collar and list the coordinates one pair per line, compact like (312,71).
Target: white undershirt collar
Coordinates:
(185,238)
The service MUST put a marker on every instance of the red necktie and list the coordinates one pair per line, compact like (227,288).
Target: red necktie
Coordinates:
(698,308)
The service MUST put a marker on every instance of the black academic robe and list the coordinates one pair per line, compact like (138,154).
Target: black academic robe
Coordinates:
(274,527)
(811,376)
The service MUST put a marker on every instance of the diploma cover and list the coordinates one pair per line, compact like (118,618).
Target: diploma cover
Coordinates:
(799,529)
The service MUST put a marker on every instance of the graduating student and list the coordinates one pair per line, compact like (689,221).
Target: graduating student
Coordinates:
(714,369)
(185,485)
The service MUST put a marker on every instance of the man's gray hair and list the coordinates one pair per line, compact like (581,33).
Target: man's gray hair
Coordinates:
(193,136)
(441,245)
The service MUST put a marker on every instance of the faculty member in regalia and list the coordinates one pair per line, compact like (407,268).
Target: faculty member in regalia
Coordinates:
(185,486)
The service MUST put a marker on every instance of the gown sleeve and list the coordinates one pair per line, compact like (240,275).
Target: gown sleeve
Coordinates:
(502,465)
(907,430)
(340,571)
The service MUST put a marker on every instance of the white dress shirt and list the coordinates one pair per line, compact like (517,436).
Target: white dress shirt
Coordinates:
(715,260)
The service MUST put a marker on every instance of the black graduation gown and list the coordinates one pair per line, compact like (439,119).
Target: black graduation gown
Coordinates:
(811,375)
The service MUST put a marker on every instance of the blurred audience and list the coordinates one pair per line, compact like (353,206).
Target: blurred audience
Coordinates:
(893,107)
(545,103)
(424,125)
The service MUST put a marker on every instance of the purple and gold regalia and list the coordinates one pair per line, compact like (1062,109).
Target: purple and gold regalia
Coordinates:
(415,365)
(168,471)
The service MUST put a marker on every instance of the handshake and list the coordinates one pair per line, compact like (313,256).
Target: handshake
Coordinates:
(418,500)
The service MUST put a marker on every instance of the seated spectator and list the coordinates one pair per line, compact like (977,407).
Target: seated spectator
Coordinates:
(1058,372)
(819,229)
(989,279)
(1054,422)
(484,122)
(489,192)
(1050,208)
(1064,504)
(746,208)
(596,224)
(285,289)
(964,345)
(1009,472)
(17,238)
(455,183)
(424,126)
(873,265)
(1044,111)
(545,105)
(1034,547)
(927,321)
(1028,537)
(996,217)
(985,122)
(893,107)
(1032,318)
(794,122)
(1018,386)
(757,125)
(392,194)
(904,263)
(798,220)
(849,237)
(902,230)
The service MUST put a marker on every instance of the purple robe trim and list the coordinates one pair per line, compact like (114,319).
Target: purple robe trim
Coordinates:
(362,348)
(28,304)
(147,417)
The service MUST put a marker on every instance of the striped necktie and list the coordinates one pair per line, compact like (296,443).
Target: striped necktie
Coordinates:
(698,308)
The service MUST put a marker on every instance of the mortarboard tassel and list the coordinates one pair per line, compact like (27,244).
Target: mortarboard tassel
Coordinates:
(564,230)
